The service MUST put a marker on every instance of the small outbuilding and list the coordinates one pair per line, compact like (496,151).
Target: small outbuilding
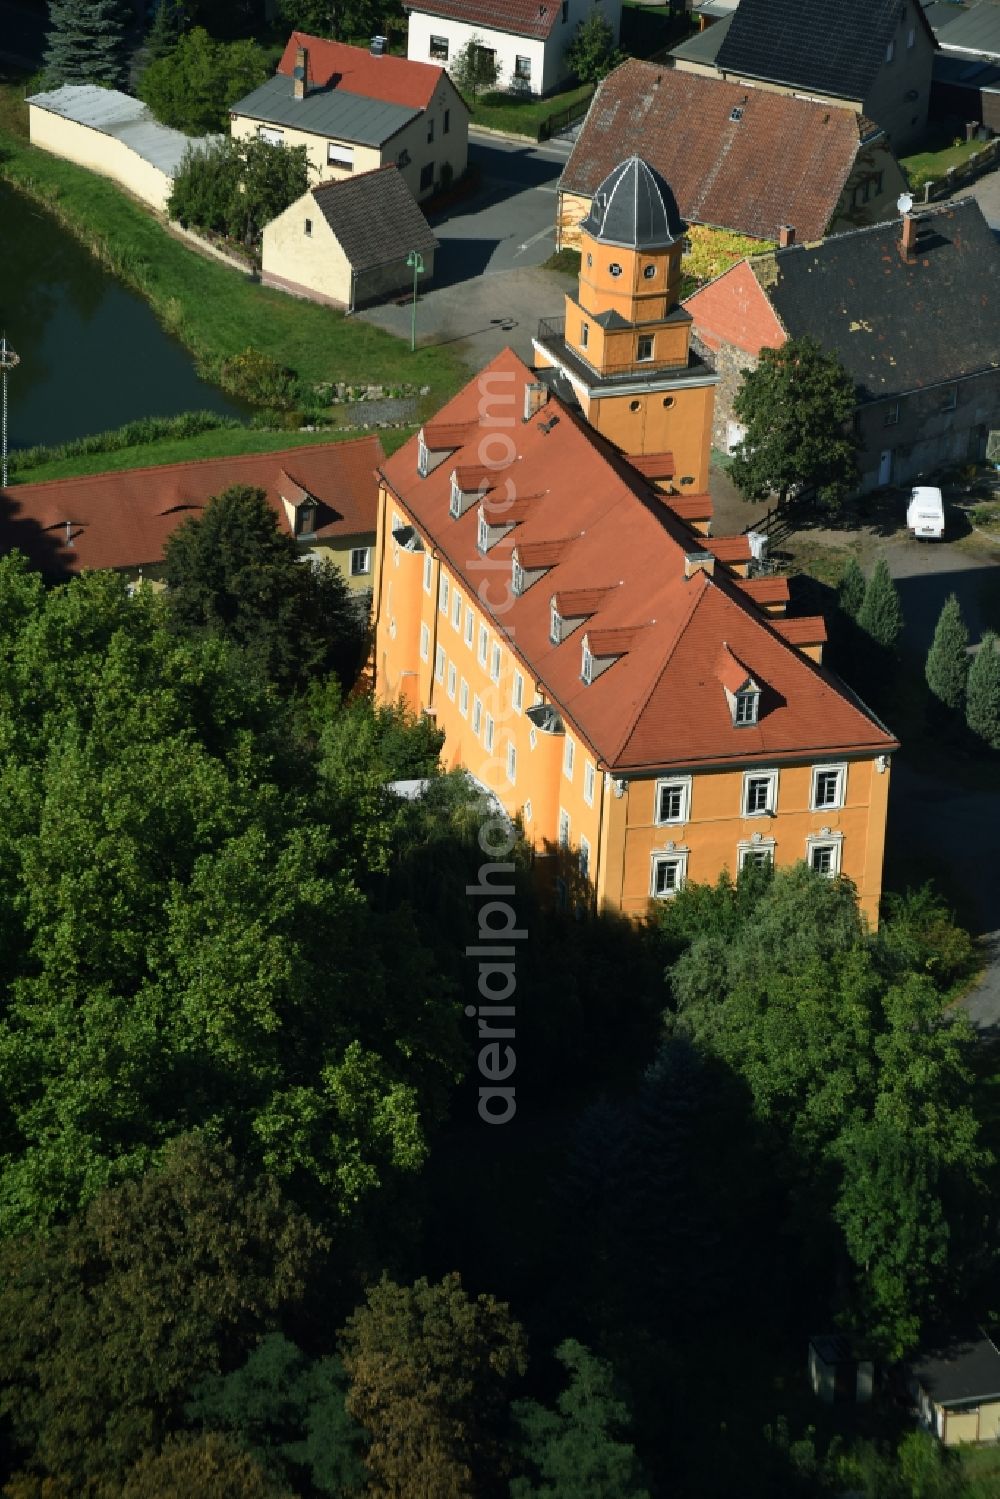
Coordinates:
(836,1376)
(956,1388)
(346,243)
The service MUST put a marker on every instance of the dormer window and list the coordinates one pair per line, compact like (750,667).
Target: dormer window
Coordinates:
(555,625)
(587,666)
(422,458)
(306,517)
(483,535)
(746,704)
(455,503)
(517,578)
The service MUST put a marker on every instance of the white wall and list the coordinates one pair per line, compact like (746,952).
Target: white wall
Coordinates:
(547,65)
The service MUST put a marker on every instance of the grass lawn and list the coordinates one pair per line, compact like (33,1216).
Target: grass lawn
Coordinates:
(930,165)
(225,443)
(215,311)
(518,114)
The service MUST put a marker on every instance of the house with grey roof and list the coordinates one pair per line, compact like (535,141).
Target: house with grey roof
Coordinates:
(346,243)
(355,109)
(872,56)
(955,1386)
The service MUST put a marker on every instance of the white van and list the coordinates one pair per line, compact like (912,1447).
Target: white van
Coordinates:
(925,513)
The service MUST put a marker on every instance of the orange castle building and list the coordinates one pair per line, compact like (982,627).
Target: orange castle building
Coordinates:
(546,590)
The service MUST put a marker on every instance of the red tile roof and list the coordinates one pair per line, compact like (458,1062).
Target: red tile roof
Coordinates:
(655,465)
(394,80)
(807,629)
(766,590)
(784,161)
(123,519)
(660,704)
(532,18)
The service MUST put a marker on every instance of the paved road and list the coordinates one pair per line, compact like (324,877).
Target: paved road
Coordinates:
(488,291)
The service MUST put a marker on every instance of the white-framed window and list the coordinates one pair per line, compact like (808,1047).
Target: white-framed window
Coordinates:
(585,858)
(463,699)
(439,660)
(823,855)
(555,625)
(522,69)
(673,800)
(425,642)
(477,716)
(340,156)
(516,577)
(760,855)
(495,658)
(423,458)
(470,626)
(760,793)
(511,762)
(667,875)
(563,828)
(452,679)
(484,645)
(428,572)
(891,416)
(483,533)
(569,756)
(829,787)
(488,736)
(361,561)
(517,693)
(746,707)
(587,665)
(444,594)
(589,782)
(455,502)
(270,135)
(644,349)
(439,48)
(527,810)
(456,609)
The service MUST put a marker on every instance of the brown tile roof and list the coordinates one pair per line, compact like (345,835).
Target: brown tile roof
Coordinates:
(808,629)
(655,465)
(532,18)
(123,519)
(784,161)
(375,217)
(660,703)
(353,70)
(765,590)
(689,507)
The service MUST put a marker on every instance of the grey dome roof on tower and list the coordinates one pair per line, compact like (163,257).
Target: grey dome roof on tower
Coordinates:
(634,207)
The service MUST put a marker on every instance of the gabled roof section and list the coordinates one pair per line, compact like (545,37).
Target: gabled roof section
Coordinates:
(833,47)
(531,18)
(896,326)
(375,218)
(783,161)
(122,520)
(592,518)
(354,70)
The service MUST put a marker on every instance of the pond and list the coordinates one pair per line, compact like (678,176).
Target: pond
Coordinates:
(93,356)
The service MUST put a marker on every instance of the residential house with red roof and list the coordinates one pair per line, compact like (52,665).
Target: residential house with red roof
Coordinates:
(324,495)
(740,158)
(355,110)
(611,672)
(528,39)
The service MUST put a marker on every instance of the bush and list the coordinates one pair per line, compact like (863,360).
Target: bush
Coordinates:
(256,377)
(235,188)
(192,87)
(921,935)
(133,434)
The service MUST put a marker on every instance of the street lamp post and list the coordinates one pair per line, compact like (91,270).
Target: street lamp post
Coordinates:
(8,361)
(415,261)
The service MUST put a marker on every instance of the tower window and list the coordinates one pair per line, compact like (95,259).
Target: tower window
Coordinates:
(584,335)
(668,401)
(645,347)
(590,260)
(635,405)
(649,272)
(615,268)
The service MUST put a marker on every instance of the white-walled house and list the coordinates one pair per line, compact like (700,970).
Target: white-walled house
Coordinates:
(529,37)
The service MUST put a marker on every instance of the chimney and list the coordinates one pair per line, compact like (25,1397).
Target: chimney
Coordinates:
(698,562)
(300,75)
(908,239)
(786,236)
(536,394)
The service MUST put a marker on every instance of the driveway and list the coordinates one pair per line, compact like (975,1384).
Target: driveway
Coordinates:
(488,291)
(986,191)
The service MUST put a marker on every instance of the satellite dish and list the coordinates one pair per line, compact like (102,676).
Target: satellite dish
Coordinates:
(904,202)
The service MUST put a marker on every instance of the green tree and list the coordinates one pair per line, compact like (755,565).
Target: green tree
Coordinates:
(948,658)
(85,42)
(232,573)
(797,407)
(982,701)
(851,590)
(343,20)
(592,53)
(581,1448)
(289,1412)
(166,29)
(431,1371)
(881,614)
(208,1466)
(270,179)
(106,1322)
(193,85)
(474,69)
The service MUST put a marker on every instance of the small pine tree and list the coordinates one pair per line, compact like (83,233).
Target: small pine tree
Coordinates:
(85,42)
(851,590)
(881,614)
(166,29)
(982,698)
(947,660)
(592,53)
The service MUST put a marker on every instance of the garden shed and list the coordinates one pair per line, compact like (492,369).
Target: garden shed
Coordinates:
(956,1388)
